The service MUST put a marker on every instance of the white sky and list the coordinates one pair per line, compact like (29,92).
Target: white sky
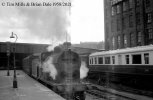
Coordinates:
(37,24)
(87,21)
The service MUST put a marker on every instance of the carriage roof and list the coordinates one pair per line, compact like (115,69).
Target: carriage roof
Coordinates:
(122,51)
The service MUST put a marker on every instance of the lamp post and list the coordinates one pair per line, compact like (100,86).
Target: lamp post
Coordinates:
(8,56)
(14,48)
(8,60)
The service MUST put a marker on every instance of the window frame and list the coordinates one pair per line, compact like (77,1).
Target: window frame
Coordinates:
(113,59)
(130,4)
(125,40)
(107,59)
(139,38)
(146,58)
(149,17)
(127,59)
(132,39)
(100,59)
(118,9)
(119,41)
(134,62)
(130,20)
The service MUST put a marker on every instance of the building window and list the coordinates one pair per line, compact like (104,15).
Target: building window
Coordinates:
(125,5)
(139,38)
(146,58)
(147,3)
(149,17)
(125,40)
(132,39)
(119,41)
(127,59)
(137,2)
(130,4)
(124,22)
(118,9)
(130,20)
(112,26)
(113,10)
(100,60)
(107,60)
(150,33)
(113,42)
(138,18)
(113,59)
(118,24)
(136,59)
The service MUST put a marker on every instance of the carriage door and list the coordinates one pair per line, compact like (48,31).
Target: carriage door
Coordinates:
(119,59)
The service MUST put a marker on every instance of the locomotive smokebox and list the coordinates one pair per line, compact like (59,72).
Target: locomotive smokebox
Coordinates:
(66,45)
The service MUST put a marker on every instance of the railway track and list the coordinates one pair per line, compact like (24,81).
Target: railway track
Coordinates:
(132,90)
(106,95)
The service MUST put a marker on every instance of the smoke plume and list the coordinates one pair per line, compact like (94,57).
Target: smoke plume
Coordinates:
(83,70)
(41,23)
(46,23)
(49,67)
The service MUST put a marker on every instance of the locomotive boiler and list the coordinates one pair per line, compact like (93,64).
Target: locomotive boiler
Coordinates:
(59,69)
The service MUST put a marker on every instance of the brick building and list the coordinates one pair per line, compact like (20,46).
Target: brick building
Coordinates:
(128,23)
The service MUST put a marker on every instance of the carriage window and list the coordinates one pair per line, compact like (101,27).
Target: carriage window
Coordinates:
(107,60)
(146,58)
(95,60)
(92,60)
(136,59)
(127,59)
(113,59)
(100,60)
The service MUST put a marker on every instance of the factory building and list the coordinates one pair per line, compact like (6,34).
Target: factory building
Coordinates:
(128,23)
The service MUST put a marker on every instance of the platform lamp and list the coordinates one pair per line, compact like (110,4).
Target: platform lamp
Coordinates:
(8,56)
(14,50)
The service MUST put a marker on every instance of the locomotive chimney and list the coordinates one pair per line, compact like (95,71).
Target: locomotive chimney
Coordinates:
(67,45)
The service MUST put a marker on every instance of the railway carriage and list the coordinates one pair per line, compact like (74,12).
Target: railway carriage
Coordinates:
(30,63)
(131,66)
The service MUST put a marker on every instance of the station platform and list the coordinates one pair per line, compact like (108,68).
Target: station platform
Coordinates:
(28,88)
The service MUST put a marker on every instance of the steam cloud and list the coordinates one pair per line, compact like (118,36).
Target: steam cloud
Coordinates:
(49,67)
(46,23)
(50,48)
(83,70)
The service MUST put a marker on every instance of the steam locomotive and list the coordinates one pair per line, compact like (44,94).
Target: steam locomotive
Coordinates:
(59,69)
(132,67)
